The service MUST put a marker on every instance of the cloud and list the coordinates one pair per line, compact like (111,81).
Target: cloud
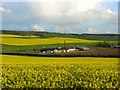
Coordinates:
(73,12)
(5,10)
(72,16)
(91,30)
(108,32)
(38,27)
(104,14)
(67,15)
(63,29)
(56,8)
(50,0)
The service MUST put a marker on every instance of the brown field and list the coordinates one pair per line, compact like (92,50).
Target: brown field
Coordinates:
(94,52)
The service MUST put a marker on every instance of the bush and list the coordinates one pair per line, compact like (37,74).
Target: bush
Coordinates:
(103,44)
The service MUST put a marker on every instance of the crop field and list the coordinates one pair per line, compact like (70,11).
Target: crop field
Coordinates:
(22,40)
(43,72)
(14,36)
(55,72)
(12,59)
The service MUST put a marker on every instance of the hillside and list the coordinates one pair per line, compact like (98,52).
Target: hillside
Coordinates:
(108,37)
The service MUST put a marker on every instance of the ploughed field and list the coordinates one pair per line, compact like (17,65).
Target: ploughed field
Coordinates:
(43,72)
(92,52)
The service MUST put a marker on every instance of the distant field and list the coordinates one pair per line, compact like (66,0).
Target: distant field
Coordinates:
(14,36)
(14,43)
(22,40)
(108,37)
(42,72)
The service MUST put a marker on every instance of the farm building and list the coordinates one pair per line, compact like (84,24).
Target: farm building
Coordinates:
(82,48)
(115,46)
(71,49)
(47,50)
(60,49)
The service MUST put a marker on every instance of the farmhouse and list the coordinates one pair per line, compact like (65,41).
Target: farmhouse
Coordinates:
(71,49)
(82,48)
(60,49)
(115,46)
(47,50)
(57,50)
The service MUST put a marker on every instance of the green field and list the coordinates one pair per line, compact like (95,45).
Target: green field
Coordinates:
(14,48)
(13,43)
(35,72)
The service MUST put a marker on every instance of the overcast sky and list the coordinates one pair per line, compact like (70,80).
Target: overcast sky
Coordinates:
(73,16)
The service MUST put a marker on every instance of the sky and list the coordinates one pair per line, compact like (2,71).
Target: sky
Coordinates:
(68,16)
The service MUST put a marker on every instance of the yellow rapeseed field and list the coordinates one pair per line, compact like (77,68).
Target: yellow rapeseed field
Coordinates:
(14,36)
(46,72)
(22,40)
(11,59)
